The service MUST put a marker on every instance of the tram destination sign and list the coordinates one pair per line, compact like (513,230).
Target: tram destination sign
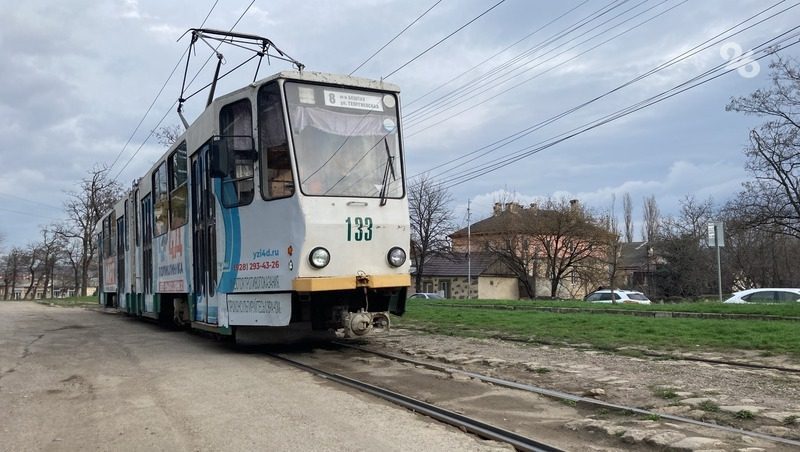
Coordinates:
(354,101)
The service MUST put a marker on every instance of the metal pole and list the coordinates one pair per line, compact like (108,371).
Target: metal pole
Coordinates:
(469,252)
(719,264)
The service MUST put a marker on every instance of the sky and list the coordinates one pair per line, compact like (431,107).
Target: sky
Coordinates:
(79,76)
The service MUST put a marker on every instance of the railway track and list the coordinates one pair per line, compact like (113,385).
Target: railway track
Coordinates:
(460,421)
(570,397)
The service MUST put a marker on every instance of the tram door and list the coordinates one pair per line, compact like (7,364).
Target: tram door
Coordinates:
(120,262)
(204,257)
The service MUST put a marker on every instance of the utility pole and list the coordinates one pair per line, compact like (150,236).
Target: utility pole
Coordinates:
(716,238)
(469,251)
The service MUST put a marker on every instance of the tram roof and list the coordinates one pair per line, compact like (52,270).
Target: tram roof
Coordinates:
(317,77)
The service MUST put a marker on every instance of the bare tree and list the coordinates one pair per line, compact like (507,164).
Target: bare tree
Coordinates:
(168,135)
(613,246)
(84,208)
(772,200)
(651,217)
(431,222)
(688,267)
(561,236)
(518,251)
(12,263)
(627,207)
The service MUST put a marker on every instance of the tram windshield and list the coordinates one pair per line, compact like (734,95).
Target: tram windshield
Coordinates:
(346,141)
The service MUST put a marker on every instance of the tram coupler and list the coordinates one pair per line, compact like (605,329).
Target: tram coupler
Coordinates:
(363,323)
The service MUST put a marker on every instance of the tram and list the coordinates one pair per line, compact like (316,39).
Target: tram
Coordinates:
(281,208)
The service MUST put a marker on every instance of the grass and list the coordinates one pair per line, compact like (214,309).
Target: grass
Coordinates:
(70,301)
(744,414)
(607,332)
(709,406)
(786,309)
(665,393)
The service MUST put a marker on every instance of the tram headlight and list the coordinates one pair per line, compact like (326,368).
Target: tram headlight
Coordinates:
(319,257)
(396,257)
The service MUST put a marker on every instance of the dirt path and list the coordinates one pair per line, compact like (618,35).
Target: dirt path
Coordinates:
(72,379)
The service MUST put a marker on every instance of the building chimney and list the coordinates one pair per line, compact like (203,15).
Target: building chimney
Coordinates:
(498,209)
(573,204)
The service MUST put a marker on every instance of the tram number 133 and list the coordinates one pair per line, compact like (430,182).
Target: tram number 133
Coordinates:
(359,229)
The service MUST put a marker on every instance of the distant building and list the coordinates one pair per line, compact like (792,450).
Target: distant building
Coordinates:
(448,275)
(513,219)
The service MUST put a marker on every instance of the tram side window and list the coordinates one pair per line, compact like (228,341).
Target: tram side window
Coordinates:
(276,166)
(179,192)
(161,199)
(236,127)
(107,248)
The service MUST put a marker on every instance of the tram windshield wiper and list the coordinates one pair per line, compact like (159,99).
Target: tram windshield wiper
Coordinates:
(386,172)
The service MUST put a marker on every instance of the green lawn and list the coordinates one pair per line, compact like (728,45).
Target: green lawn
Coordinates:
(606,331)
(786,309)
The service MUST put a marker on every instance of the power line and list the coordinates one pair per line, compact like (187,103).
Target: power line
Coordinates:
(29,214)
(407,104)
(158,94)
(9,195)
(681,57)
(396,36)
(443,39)
(594,15)
(152,131)
(449,105)
(694,82)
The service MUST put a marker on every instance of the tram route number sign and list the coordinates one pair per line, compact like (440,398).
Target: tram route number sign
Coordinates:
(359,229)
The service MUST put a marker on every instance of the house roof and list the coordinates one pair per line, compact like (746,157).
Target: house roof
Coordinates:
(513,217)
(460,265)
(633,254)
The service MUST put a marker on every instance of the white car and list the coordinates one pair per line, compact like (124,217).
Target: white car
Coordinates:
(765,295)
(427,296)
(620,296)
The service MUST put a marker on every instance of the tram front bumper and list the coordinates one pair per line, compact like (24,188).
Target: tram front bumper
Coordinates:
(323,284)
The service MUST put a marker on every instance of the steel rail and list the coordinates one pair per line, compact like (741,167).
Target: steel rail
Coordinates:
(565,395)
(462,422)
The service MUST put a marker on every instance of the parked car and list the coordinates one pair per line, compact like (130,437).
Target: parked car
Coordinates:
(620,296)
(427,296)
(765,295)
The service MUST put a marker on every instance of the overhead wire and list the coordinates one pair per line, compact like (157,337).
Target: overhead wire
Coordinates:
(411,102)
(520,58)
(443,39)
(494,96)
(681,57)
(393,72)
(153,130)
(395,37)
(767,49)
(160,91)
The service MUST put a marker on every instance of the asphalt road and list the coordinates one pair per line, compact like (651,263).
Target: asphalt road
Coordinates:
(77,379)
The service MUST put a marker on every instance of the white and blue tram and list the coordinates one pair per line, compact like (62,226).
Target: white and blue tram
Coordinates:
(281,208)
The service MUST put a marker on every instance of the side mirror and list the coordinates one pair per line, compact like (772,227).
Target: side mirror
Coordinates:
(219,162)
